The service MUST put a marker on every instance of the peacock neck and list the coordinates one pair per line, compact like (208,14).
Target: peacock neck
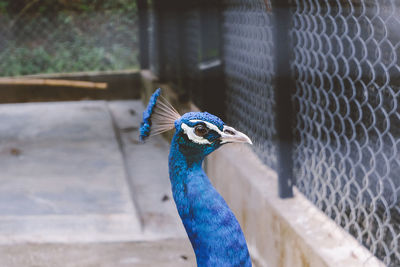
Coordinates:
(185,167)
(212,228)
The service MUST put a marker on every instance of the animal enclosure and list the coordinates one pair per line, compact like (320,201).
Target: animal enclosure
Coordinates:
(316,84)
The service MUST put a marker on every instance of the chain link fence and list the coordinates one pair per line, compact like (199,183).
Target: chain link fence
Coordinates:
(248,55)
(46,36)
(347,155)
(344,64)
(346,70)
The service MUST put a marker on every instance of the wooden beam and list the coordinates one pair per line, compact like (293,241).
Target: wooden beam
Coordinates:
(53,82)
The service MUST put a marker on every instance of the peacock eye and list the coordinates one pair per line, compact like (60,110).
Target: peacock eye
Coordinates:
(200,130)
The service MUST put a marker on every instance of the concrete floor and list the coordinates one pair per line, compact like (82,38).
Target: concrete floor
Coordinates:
(164,253)
(78,189)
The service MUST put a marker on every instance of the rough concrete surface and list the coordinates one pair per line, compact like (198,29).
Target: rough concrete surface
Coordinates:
(163,253)
(78,189)
(150,183)
(62,174)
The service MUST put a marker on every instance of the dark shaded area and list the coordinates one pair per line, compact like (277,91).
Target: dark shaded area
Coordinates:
(183,43)
(121,85)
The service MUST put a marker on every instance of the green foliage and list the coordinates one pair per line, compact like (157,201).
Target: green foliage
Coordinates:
(3,6)
(53,7)
(24,60)
(101,36)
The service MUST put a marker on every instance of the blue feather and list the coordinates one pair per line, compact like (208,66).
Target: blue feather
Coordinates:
(145,126)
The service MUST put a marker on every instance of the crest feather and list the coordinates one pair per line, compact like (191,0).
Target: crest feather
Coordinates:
(158,117)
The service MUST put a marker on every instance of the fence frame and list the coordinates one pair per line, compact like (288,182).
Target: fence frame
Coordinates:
(284,86)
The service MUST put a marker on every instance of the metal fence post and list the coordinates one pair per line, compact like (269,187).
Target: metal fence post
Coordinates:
(143,33)
(283,97)
(155,39)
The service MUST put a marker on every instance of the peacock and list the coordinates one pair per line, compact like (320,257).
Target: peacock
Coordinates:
(212,228)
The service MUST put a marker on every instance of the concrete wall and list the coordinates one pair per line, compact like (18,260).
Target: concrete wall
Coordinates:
(121,85)
(279,232)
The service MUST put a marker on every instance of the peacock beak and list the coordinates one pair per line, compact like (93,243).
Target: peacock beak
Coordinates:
(230,135)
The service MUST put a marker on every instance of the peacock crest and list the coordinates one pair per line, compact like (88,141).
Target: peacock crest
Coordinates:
(159,116)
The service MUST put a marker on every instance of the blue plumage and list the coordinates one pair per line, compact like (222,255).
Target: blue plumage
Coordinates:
(187,117)
(146,123)
(212,228)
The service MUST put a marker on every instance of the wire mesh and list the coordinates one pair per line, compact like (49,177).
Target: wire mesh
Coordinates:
(248,55)
(347,158)
(64,36)
(347,88)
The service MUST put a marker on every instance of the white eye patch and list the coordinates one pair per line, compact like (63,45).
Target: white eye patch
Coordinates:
(189,131)
(225,137)
(209,126)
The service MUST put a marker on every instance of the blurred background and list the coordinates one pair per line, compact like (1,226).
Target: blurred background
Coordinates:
(67,36)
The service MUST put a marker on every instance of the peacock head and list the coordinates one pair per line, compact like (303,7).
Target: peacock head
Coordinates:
(203,132)
(197,133)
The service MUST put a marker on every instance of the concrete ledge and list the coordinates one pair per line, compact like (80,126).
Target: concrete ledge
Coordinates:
(290,232)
